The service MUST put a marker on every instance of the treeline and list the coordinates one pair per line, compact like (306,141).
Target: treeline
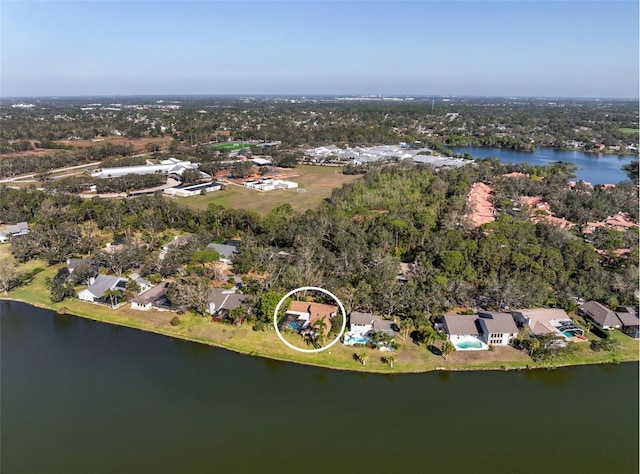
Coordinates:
(508,143)
(18,165)
(120,184)
(352,245)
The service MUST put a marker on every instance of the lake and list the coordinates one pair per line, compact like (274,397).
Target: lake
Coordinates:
(78,396)
(592,167)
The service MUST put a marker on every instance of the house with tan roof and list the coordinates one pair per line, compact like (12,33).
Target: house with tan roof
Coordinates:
(549,321)
(480,209)
(303,315)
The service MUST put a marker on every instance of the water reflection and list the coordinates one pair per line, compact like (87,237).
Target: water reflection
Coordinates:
(549,377)
(274,365)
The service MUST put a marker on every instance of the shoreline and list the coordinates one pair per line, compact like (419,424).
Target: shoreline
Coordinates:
(445,366)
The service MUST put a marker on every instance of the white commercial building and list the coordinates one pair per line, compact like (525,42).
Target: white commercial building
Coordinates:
(269,184)
(166,167)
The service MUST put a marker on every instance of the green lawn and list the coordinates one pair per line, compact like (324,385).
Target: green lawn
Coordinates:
(629,130)
(317,181)
(410,357)
(231,146)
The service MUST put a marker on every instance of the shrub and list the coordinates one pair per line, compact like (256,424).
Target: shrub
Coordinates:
(175,321)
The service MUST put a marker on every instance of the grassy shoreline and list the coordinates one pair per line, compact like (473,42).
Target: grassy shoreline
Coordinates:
(410,358)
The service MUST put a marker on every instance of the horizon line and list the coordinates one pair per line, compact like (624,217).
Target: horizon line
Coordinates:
(359,96)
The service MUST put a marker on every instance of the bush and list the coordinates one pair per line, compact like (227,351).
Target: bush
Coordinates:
(175,321)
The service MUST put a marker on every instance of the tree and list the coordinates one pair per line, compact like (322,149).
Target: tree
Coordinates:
(242,169)
(406,327)
(204,256)
(112,295)
(320,327)
(238,314)
(447,348)
(191,176)
(8,273)
(390,360)
(190,294)
(363,357)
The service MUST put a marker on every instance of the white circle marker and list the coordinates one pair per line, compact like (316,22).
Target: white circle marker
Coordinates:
(310,288)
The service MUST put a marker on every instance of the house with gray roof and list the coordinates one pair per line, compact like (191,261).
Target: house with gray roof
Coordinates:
(362,323)
(154,297)
(479,331)
(498,329)
(225,250)
(99,286)
(461,325)
(222,301)
(21,228)
(629,320)
(601,316)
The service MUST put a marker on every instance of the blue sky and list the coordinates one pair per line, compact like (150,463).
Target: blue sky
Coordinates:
(522,48)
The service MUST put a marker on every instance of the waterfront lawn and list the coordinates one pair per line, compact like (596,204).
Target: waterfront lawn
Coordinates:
(317,181)
(411,357)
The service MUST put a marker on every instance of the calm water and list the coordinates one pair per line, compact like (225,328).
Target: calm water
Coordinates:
(84,397)
(592,167)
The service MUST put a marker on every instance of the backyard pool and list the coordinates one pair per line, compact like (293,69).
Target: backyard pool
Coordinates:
(468,343)
(351,339)
(296,325)
(568,334)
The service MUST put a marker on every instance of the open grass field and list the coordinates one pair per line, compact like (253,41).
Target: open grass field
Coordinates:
(318,181)
(629,130)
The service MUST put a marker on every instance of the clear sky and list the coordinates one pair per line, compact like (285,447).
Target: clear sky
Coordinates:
(481,48)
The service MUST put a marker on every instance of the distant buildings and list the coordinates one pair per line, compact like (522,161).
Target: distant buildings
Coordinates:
(171,166)
(359,155)
(269,184)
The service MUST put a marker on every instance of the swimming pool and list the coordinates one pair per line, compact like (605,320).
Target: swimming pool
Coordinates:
(351,339)
(568,334)
(296,325)
(468,343)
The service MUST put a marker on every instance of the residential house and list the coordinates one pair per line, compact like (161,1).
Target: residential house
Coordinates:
(478,331)
(226,251)
(498,329)
(303,315)
(72,263)
(143,283)
(629,320)
(95,293)
(21,228)
(361,323)
(222,301)
(601,316)
(176,241)
(153,297)
(546,321)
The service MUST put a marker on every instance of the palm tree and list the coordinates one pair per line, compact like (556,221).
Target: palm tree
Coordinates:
(113,296)
(320,327)
(447,348)
(390,360)
(406,326)
(429,338)
(588,325)
(363,358)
